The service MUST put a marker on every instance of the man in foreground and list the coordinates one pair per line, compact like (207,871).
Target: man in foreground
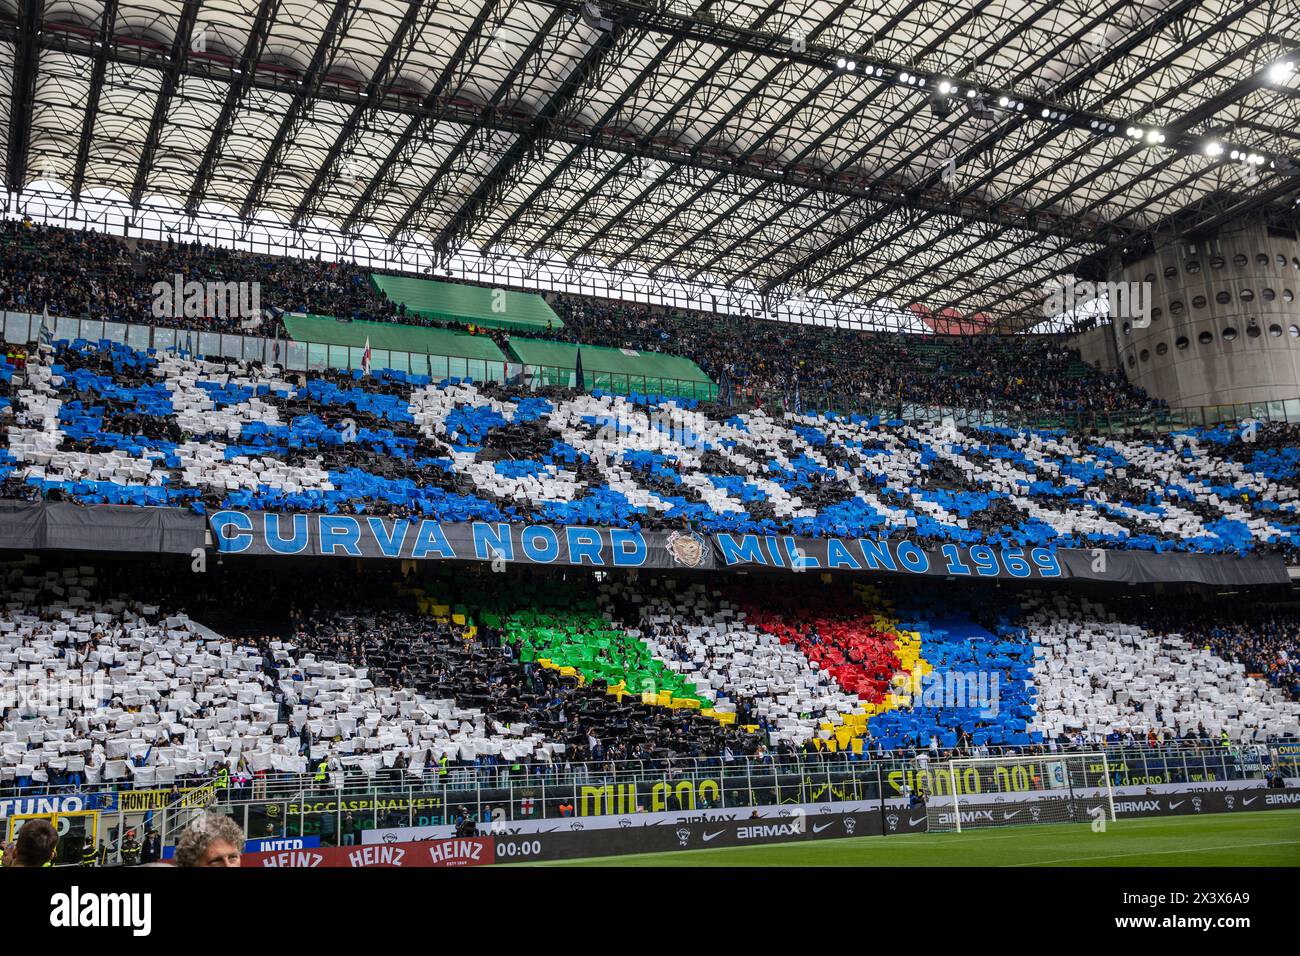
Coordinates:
(212,840)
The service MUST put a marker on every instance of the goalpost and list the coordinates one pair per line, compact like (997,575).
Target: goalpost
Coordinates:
(981,792)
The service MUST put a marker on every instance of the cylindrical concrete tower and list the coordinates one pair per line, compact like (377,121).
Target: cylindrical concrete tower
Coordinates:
(1225,320)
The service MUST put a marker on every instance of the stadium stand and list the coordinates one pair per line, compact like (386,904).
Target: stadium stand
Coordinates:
(102,422)
(457,434)
(1094,672)
(76,273)
(1260,636)
(383,673)
(702,635)
(100,276)
(763,357)
(179,699)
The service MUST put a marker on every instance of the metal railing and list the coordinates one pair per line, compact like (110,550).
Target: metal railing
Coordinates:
(338,809)
(275,785)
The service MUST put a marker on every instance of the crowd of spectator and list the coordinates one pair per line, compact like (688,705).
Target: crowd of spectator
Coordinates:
(93,275)
(395,466)
(338,614)
(1264,639)
(360,620)
(756,357)
(99,276)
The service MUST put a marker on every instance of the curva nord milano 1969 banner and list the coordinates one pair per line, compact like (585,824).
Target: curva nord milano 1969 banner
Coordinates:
(266,533)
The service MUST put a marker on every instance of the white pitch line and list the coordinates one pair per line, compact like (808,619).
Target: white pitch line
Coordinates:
(1119,856)
(955,840)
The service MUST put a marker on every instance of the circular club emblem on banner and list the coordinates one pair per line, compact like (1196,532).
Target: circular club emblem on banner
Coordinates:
(687,548)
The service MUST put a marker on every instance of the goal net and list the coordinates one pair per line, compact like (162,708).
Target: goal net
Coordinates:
(975,793)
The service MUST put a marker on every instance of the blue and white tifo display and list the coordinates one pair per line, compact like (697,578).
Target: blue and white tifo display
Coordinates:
(104,423)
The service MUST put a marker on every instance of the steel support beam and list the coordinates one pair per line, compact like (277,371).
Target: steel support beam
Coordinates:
(336,31)
(556,112)
(106,24)
(903,162)
(1059,97)
(27,54)
(367,107)
(266,13)
(1190,121)
(476,137)
(468,49)
(171,75)
(565,165)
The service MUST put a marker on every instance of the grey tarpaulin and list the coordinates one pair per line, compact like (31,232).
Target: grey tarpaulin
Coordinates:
(1144,567)
(40,525)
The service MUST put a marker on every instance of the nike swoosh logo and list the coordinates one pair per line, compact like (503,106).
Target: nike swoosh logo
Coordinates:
(819,829)
(709,836)
(912,823)
(1174,805)
(1246,803)
(1008,815)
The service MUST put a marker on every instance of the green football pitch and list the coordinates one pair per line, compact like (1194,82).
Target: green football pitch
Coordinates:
(1268,838)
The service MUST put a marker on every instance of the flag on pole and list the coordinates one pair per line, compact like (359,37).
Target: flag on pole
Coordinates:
(580,382)
(46,335)
(365,358)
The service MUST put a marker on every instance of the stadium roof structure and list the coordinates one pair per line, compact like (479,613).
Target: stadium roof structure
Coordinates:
(947,155)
